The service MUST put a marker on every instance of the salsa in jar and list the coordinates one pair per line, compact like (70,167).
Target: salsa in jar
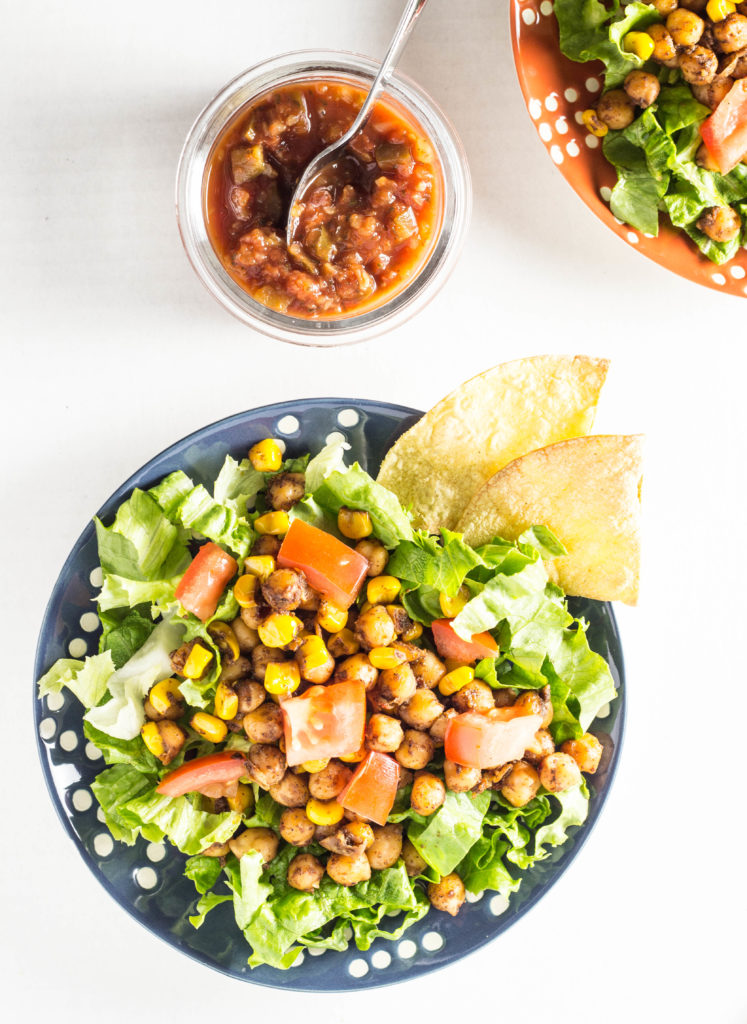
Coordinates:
(363,230)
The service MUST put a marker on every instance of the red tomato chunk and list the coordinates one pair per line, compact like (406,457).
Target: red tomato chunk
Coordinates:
(373,787)
(204,774)
(363,230)
(325,721)
(201,586)
(450,645)
(487,739)
(330,566)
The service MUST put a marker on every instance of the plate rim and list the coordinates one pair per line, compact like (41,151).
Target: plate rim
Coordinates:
(285,978)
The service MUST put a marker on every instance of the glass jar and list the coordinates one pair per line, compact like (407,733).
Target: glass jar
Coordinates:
(336,66)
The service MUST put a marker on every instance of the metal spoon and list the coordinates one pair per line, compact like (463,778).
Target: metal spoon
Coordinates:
(333,152)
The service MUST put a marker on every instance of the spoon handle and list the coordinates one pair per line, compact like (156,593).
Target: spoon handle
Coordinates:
(413,9)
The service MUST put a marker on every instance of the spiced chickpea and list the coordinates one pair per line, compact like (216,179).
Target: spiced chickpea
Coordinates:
(253,615)
(295,827)
(285,590)
(535,703)
(437,731)
(698,65)
(375,553)
(351,838)
(559,772)
(448,894)
(375,628)
(414,863)
(642,87)
(264,724)
(585,751)
(265,765)
(459,778)
(416,750)
(685,27)
(721,223)
(665,7)
(384,734)
(397,684)
(232,670)
(357,667)
(386,847)
(475,696)
(284,490)
(250,693)
(427,794)
(665,52)
(730,34)
(348,870)
(262,656)
(421,710)
(541,745)
(712,93)
(308,667)
(263,840)
(330,781)
(247,638)
(291,791)
(428,670)
(266,544)
(615,108)
(521,784)
(305,872)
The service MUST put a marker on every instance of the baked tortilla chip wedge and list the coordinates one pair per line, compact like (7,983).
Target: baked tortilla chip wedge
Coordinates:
(588,492)
(439,464)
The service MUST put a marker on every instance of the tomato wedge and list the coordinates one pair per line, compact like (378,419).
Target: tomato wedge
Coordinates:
(325,721)
(450,645)
(330,566)
(201,586)
(205,774)
(725,131)
(373,787)
(487,739)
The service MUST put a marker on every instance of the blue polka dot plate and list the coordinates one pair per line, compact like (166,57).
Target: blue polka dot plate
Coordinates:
(147,879)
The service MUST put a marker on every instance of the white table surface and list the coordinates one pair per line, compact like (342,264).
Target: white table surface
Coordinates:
(107,336)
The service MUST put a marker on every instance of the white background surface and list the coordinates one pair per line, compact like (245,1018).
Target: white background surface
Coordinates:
(109,342)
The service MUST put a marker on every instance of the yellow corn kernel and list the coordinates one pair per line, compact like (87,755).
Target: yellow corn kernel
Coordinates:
(314,652)
(278,630)
(245,590)
(198,660)
(717,10)
(243,801)
(386,657)
(163,739)
(451,606)
(383,589)
(282,678)
(164,695)
(274,523)
(344,644)
(152,738)
(266,456)
(225,640)
(315,766)
(365,606)
(324,812)
(260,567)
(331,617)
(413,632)
(639,43)
(455,680)
(353,758)
(226,702)
(593,124)
(209,727)
(354,523)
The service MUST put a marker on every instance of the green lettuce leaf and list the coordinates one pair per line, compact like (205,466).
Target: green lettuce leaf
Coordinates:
(159,817)
(331,459)
(238,485)
(130,752)
(354,488)
(589,30)
(88,679)
(443,839)
(124,632)
(204,872)
(193,508)
(141,543)
(441,565)
(113,788)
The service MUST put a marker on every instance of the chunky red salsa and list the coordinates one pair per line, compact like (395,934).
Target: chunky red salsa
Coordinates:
(364,230)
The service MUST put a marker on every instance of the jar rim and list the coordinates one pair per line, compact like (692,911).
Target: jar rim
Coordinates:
(402,304)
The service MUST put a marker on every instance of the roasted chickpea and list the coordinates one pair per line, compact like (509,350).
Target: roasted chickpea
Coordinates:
(459,778)
(351,838)
(343,644)
(400,619)
(712,94)
(253,615)
(721,223)
(384,734)
(305,872)
(414,863)
(534,703)
(285,590)
(264,724)
(685,27)
(421,710)
(375,628)
(438,730)
(308,667)
(521,784)
(263,840)
(558,772)
(475,696)
(698,65)
(665,52)
(357,667)
(348,870)
(642,87)
(266,544)
(247,638)
(397,684)
(416,749)
(586,752)
(386,847)
(542,744)
(375,553)
(265,765)
(448,894)
(427,794)
(291,791)
(615,108)
(330,781)
(428,670)
(262,656)
(295,827)
(731,33)
(504,697)
(284,490)
(250,693)
(412,652)
(665,7)
(232,670)
(216,850)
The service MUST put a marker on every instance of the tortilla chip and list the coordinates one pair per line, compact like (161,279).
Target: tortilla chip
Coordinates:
(588,492)
(439,464)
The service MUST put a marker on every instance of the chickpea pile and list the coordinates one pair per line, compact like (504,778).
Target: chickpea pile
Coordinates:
(707,41)
(407,718)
